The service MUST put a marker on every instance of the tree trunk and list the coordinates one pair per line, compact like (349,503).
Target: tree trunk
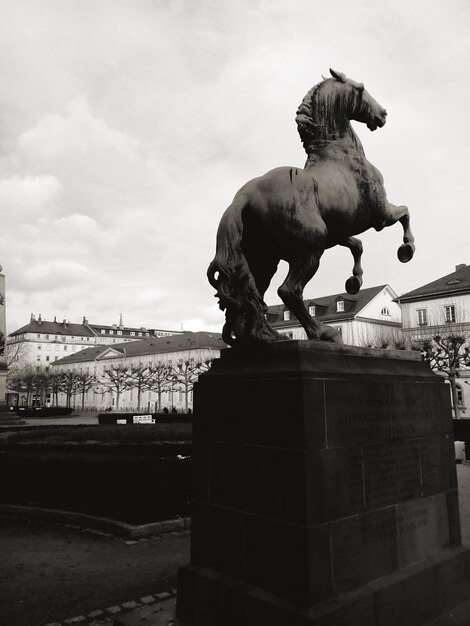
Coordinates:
(455,400)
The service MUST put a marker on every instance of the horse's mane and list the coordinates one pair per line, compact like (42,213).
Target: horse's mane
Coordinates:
(318,113)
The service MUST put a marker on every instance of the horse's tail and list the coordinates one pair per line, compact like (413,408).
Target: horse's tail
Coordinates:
(231,277)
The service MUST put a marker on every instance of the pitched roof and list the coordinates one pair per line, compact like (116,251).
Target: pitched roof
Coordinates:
(454,283)
(150,345)
(325,307)
(54,328)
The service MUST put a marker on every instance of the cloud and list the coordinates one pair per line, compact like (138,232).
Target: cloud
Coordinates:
(127,129)
(29,196)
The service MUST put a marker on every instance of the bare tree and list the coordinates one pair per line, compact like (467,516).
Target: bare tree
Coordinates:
(85,382)
(15,355)
(69,385)
(140,377)
(447,353)
(116,379)
(186,374)
(160,381)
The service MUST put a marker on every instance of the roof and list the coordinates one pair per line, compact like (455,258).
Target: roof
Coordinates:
(325,307)
(55,328)
(454,283)
(150,345)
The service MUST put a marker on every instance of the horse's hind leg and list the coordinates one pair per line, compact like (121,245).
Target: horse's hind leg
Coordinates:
(354,283)
(401,214)
(301,270)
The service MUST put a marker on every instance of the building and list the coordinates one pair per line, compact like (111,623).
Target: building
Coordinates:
(42,342)
(183,353)
(3,365)
(371,317)
(441,307)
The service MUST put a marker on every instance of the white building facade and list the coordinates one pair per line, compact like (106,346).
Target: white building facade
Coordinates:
(370,318)
(41,342)
(441,307)
(186,350)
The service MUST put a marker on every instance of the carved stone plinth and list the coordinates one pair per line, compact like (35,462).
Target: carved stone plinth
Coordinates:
(324,491)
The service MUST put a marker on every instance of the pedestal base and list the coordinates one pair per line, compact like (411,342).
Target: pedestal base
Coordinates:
(324,491)
(411,597)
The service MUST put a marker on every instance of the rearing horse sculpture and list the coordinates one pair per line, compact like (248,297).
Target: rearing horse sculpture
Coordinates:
(296,214)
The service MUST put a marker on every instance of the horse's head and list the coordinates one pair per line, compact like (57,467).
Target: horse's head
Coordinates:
(359,104)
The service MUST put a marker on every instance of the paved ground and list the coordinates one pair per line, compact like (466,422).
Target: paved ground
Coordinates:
(51,574)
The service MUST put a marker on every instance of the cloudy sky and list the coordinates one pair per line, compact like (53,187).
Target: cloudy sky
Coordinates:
(126,127)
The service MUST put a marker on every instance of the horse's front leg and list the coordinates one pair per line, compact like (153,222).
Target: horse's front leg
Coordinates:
(354,282)
(401,214)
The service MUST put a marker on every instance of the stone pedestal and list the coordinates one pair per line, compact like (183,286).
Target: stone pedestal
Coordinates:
(324,491)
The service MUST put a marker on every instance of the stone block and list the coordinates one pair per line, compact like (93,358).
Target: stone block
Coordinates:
(437,455)
(407,598)
(287,560)
(217,539)
(335,484)
(364,547)
(351,421)
(422,527)
(392,473)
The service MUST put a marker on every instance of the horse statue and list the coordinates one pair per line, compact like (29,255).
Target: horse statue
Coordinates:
(296,214)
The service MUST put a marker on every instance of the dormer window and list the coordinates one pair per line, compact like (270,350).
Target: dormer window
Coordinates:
(385,311)
(340,306)
(286,315)
(311,310)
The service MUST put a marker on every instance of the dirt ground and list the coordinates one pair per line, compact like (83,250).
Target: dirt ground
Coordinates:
(49,573)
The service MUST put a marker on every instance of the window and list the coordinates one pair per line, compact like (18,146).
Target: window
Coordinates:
(340,306)
(119,332)
(132,333)
(103,331)
(65,347)
(47,336)
(449,312)
(47,358)
(111,332)
(422,317)
(38,336)
(311,310)
(286,315)
(385,311)
(140,334)
(39,347)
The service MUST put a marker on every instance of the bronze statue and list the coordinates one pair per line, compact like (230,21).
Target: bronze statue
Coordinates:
(296,214)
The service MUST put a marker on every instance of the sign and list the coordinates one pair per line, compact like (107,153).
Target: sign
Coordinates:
(143,419)
(121,421)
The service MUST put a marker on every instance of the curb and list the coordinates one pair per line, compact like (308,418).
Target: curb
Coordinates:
(90,522)
(107,616)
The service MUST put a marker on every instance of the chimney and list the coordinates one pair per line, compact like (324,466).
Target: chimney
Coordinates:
(55,319)
(32,318)
(462,266)
(39,319)
(64,323)
(84,321)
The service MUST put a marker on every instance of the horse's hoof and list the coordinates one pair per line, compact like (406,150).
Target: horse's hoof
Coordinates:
(405,252)
(353,284)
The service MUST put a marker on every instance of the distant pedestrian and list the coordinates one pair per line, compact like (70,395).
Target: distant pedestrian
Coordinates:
(173,410)
(165,410)
(189,410)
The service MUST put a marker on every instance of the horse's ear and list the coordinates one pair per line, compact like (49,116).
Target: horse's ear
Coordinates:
(338,75)
(360,87)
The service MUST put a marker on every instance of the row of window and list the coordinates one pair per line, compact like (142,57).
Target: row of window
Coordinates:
(339,309)
(449,315)
(63,337)
(132,333)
